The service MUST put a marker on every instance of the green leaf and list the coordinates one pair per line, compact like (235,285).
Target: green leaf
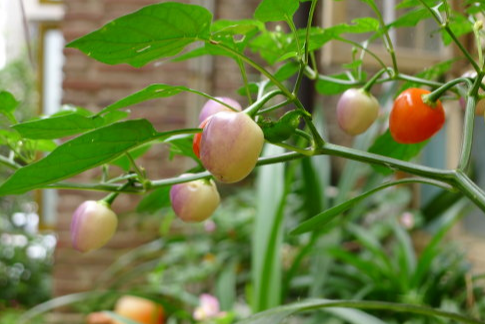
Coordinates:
(154,201)
(64,125)
(387,146)
(411,18)
(276,10)
(8,104)
(459,25)
(57,127)
(268,233)
(80,154)
(125,163)
(319,220)
(153,32)
(153,91)
(333,85)
(182,145)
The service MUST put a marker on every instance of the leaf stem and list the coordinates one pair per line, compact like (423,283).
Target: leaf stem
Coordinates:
(386,38)
(445,25)
(255,65)
(244,75)
(256,106)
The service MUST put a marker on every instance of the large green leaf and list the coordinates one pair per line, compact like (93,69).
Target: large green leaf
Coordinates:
(153,32)
(276,10)
(8,104)
(387,146)
(80,154)
(59,126)
(153,91)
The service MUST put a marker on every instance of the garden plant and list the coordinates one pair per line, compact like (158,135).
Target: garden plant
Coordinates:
(273,132)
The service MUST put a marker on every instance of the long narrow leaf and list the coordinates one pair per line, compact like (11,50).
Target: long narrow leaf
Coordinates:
(326,216)
(267,238)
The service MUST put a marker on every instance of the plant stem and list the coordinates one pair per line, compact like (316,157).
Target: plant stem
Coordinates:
(9,163)
(255,65)
(244,75)
(274,107)
(255,107)
(436,94)
(470,189)
(386,38)
(377,58)
(445,25)
(373,80)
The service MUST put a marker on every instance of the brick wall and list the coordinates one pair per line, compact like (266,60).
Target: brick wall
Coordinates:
(93,85)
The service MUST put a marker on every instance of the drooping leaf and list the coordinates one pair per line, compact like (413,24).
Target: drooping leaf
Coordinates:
(153,32)
(8,104)
(387,146)
(276,10)
(80,154)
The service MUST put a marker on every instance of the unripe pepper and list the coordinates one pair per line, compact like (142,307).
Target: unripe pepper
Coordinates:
(357,110)
(194,201)
(230,146)
(92,226)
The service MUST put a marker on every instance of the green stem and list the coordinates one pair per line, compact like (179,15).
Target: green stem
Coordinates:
(386,38)
(444,25)
(377,58)
(109,199)
(274,107)
(244,75)
(9,163)
(255,107)
(470,189)
(436,94)
(409,78)
(141,176)
(371,82)
(255,65)
(303,134)
(305,152)
(318,140)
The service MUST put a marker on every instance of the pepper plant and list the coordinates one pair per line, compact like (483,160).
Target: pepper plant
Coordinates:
(287,56)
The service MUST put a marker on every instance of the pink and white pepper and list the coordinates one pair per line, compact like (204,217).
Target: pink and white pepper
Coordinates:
(92,226)
(212,107)
(194,201)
